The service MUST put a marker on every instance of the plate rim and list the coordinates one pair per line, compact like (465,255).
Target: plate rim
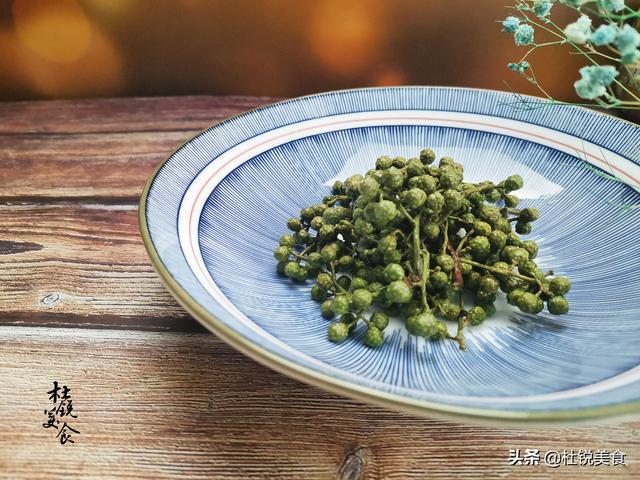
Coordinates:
(343,387)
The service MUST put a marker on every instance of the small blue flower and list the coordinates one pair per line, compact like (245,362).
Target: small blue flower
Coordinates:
(612,5)
(604,34)
(595,80)
(630,57)
(628,39)
(542,8)
(579,31)
(519,67)
(523,35)
(510,24)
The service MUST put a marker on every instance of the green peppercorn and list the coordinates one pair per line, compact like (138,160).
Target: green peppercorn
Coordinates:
(445,262)
(490,214)
(560,285)
(338,331)
(452,200)
(388,242)
(287,241)
(398,292)
(530,303)
(373,337)
(391,256)
(369,188)
(413,198)
(361,299)
(492,195)
(380,320)
(482,228)
(430,230)
(502,225)
(472,280)
(511,201)
(329,253)
(489,284)
(282,253)
(302,237)
(476,315)
(316,223)
(324,280)
(384,212)
(435,202)
(529,214)
(427,156)
(415,168)
(439,280)
(450,311)
(357,283)
(480,247)
(422,325)
(393,272)
(392,178)
(523,228)
(558,305)
(528,268)
(326,310)
(512,183)
(301,273)
(341,304)
(441,331)
(531,247)
(384,162)
(318,294)
(346,262)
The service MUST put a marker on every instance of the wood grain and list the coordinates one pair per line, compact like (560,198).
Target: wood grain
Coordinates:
(126,115)
(162,405)
(101,150)
(66,264)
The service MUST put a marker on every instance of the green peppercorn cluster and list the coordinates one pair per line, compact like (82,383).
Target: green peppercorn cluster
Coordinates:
(407,239)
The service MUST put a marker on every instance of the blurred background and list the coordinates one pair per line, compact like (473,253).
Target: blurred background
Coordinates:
(93,48)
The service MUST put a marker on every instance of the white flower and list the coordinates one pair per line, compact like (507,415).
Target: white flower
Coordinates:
(579,31)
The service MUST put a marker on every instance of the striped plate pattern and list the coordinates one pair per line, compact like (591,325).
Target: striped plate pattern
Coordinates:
(215,209)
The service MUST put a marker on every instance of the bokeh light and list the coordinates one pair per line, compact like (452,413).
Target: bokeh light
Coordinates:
(56,30)
(87,48)
(347,37)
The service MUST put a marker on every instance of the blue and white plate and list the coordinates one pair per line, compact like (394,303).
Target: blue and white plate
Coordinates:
(212,213)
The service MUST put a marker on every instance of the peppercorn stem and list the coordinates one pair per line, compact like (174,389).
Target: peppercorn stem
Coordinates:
(500,271)
(464,240)
(445,242)
(336,285)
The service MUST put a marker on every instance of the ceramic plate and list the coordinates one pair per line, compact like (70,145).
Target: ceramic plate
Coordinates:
(212,214)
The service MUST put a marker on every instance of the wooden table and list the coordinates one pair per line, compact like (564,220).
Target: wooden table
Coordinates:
(155,395)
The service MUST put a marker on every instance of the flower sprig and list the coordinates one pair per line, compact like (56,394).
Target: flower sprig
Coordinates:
(601,33)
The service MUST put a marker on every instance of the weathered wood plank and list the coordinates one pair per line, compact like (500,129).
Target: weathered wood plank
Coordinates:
(109,165)
(103,149)
(83,264)
(162,405)
(109,115)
